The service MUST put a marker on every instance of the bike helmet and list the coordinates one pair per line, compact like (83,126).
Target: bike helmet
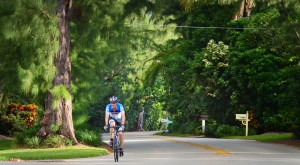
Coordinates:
(113,99)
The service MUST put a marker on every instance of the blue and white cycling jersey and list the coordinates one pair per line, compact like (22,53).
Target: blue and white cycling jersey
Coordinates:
(116,115)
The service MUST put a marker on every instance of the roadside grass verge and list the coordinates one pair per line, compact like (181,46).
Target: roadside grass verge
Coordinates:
(6,144)
(7,152)
(173,134)
(267,137)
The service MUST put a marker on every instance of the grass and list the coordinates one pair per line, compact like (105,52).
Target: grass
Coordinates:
(268,137)
(173,134)
(6,144)
(7,152)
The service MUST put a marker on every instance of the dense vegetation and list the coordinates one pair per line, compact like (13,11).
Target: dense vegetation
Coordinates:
(251,65)
(176,58)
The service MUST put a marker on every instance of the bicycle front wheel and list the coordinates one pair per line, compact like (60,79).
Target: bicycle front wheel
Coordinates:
(116,149)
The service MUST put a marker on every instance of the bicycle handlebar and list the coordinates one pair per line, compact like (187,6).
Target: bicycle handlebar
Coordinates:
(118,126)
(115,127)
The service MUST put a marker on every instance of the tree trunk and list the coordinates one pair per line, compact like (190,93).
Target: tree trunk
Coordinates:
(249,6)
(62,116)
(141,120)
(239,14)
(245,6)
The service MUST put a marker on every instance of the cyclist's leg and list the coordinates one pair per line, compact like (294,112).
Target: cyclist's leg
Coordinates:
(121,137)
(120,133)
(112,123)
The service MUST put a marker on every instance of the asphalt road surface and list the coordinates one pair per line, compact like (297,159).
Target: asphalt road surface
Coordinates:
(145,149)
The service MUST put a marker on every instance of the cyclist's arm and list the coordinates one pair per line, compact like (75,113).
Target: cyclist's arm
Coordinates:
(106,115)
(123,114)
(106,118)
(123,118)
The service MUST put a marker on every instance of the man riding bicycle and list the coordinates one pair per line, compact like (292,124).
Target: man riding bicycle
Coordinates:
(115,116)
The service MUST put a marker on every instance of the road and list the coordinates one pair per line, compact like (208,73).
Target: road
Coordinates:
(144,148)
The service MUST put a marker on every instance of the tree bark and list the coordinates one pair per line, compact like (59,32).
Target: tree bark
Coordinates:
(249,7)
(246,6)
(62,116)
(239,14)
(141,120)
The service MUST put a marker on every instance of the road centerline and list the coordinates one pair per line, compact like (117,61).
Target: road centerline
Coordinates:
(211,148)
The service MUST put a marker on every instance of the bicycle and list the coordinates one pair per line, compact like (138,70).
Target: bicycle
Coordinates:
(116,142)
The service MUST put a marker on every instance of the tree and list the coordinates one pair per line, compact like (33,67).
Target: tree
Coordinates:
(29,43)
(58,103)
(256,72)
(110,41)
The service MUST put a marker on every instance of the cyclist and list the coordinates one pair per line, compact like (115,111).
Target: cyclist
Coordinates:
(115,116)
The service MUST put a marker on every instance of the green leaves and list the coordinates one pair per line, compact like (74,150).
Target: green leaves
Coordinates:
(248,70)
(59,92)
(31,35)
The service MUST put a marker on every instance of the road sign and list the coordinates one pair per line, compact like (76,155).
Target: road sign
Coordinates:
(240,116)
(244,119)
(204,117)
(164,120)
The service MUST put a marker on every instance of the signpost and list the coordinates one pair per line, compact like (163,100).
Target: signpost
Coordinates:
(164,120)
(165,123)
(203,118)
(244,118)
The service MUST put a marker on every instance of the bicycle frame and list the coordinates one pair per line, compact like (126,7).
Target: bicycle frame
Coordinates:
(116,142)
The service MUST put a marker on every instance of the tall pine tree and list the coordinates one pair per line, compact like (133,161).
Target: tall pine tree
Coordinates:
(58,105)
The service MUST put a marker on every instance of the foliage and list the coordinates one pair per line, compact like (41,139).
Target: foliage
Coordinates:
(198,130)
(17,117)
(246,71)
(26,134)
(53,141)
(257,72)
(210,128)
(6,144)
(32,142)
(55,127)
(154,108)
(227,130)
(89,137)
(28,139)
(29,44)
(59,92)
(110,44)
(68,142)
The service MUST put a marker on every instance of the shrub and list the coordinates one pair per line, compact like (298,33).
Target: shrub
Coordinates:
(189,127)
(26,133)
(210,128)
(53,141)
(17,117)
(174,127)
(27,112)
(68,142)
(32,142)
(227,130)
(198,130)
(252,131)
(89,137)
